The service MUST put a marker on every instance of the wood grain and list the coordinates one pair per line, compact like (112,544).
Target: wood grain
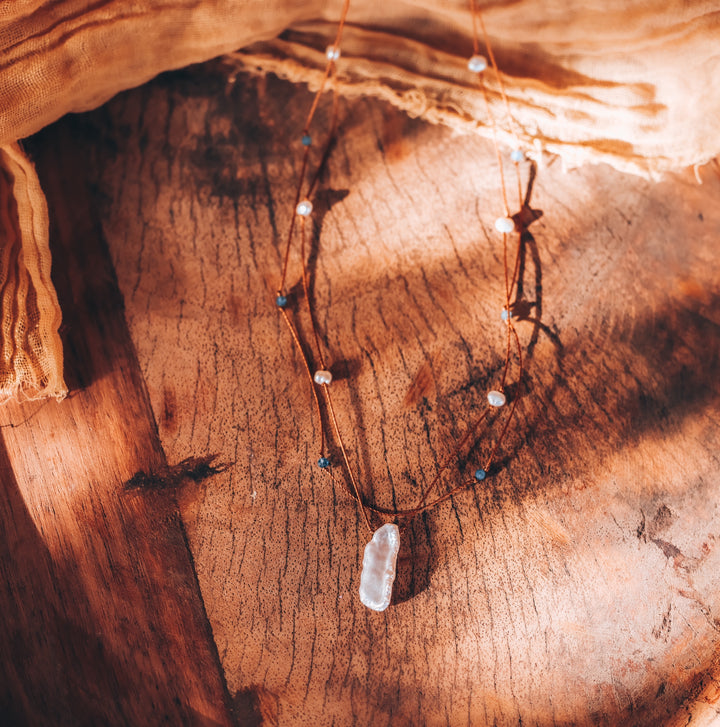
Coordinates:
(102,619)
(580,584)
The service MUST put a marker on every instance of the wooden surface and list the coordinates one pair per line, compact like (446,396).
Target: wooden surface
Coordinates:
(580,583)
(102,621)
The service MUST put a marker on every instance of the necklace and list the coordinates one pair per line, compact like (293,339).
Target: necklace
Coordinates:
(380,555)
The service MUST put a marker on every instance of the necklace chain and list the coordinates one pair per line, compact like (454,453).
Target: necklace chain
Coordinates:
(507,226)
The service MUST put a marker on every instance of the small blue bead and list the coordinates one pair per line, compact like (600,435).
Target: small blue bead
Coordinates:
(323,463)
(517,155)
(281,301)
(480,475)
(306,140)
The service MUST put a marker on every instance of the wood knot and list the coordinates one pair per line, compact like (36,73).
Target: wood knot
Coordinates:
(170,477)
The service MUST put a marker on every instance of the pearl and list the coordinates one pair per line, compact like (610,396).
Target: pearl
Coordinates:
(517,155)
(477,64)
(304,208)
(504,224)
(506,314)
(332,52)
(306,140)
(323,463)
(322,377)
(480,475)
(378,569)
(496,398)
(281,301)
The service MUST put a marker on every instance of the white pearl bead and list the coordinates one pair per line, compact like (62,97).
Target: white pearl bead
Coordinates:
(504,224)
(477,64)
(332,52)
(496,398)
(304,208)
(517,155)
(506,314)
(322,377)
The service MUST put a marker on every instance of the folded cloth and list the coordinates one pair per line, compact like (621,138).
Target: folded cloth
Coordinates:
(31,356)
(632,83)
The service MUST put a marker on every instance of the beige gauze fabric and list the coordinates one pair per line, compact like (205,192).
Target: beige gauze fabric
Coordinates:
(31,362)
(632,83)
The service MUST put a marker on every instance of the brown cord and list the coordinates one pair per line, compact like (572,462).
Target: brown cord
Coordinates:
(318,411)
(356,491)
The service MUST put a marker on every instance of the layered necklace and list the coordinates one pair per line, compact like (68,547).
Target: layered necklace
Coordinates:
(380,556)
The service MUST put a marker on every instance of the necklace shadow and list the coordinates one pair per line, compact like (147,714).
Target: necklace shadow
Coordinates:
(416,560)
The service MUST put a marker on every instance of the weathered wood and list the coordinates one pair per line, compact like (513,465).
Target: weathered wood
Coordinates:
(102,621)
(580,583)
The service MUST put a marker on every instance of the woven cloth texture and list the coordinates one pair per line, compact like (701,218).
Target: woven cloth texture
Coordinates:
(31,365)
(632,83)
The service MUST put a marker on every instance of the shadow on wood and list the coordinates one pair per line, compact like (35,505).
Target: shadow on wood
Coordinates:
(102,619)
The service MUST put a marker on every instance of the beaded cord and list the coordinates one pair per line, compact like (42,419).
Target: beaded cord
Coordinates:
(505,225)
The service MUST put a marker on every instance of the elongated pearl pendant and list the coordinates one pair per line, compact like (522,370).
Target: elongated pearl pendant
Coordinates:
(378,571)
